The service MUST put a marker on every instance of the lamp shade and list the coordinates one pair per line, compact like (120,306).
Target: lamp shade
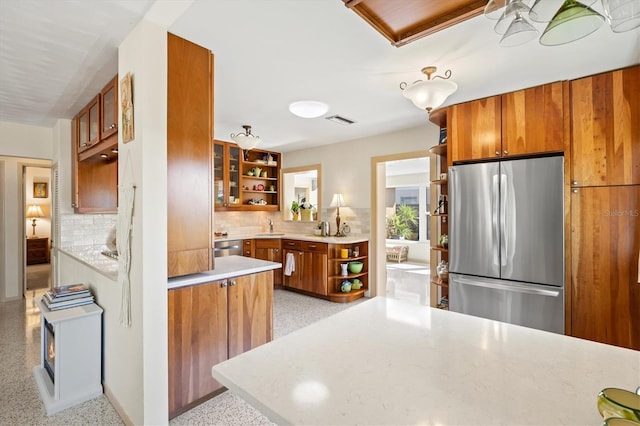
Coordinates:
(429,94)
(519,32)
(337,201)
(572,22)
(246,140)
(623,15)
(34,211)
(514,6)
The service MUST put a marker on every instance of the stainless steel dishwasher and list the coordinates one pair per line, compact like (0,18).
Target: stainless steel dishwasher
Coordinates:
(227,248)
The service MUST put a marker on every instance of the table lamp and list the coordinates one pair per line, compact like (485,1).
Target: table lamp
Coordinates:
(338,201)
(33,212)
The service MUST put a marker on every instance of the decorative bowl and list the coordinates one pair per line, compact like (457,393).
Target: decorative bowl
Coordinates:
(355,267)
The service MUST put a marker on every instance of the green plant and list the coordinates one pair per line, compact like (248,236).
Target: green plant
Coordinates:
(295,207)
(404,221)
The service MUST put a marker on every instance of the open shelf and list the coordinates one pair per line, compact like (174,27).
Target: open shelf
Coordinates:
(439,149)
(440,182)
(439,282)
(442,249)
(346,297)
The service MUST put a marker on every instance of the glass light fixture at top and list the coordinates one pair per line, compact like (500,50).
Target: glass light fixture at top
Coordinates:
(430,93)
(573,21)
(623,15)
(246,140)
(520,31)
(308,109)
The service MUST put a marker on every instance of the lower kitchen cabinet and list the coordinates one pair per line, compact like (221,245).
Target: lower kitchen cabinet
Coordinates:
(605,287)
(269,249)
(310,273)
(209,323)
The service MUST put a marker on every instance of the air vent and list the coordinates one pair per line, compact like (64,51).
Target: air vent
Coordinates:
(340,120)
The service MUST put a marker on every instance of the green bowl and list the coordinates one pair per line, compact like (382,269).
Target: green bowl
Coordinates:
(355,267)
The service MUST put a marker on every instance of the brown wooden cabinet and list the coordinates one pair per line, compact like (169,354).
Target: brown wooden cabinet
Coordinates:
(189,146)
(236,187)
(37,251)
(524,122)
(270,249)
(605,292)
(209,323)
(248,248)
(310,274)
(335,278)
(89,125)
(109,109)
(605,128)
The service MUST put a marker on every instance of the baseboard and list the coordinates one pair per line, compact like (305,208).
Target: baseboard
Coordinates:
(112,399)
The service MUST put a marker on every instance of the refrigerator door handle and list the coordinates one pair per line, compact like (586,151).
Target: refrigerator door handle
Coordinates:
(502,214)
(495,208)
(514,288)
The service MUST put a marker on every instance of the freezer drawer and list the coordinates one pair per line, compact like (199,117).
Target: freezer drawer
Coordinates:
(529,305)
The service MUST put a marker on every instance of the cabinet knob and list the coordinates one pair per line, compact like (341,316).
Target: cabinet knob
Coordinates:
(574,182)
(223,284)
(232,283)
(505,152)
(74,205)
(277,250)
(497,153)
(575,191)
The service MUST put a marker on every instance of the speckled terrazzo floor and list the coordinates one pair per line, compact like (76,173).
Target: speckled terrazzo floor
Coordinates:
(20,345)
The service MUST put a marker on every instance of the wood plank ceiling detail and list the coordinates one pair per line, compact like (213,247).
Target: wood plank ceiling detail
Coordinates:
(402,22)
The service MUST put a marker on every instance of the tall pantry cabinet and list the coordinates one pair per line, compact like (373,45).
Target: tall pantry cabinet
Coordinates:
(604,288)
(189,145)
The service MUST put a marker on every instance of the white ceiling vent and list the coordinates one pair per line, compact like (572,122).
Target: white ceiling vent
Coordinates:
(340,119)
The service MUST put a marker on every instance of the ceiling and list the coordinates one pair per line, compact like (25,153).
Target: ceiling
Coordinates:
(56,55)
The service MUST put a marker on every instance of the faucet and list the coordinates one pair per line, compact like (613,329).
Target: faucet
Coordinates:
(270,226)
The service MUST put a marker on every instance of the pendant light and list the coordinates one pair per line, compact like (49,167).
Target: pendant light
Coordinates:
(430,93)
(493,9)
(513,7)
(543,11)
(573,21)
(623,15)
(520,31)
(246,140)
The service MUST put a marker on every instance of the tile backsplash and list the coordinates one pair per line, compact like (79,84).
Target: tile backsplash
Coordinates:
(85,229)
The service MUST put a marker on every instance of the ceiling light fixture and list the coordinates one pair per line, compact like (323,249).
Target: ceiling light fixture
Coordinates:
(308,109)
(430,93)
(571,22)
(246,140)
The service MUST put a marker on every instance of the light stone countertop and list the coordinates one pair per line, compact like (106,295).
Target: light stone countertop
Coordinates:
(386,361)
(91,256)
(225,267)
(350,239)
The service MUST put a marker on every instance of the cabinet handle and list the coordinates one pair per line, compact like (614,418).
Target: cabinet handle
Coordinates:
(575,191)
(312,245)
(574,182)
(74,205)
(232,283)
(505,152)
(497,153)
(300,253)
(223,284)
(277,250)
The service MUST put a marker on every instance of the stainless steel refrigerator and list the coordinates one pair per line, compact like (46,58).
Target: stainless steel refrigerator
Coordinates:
(506,241)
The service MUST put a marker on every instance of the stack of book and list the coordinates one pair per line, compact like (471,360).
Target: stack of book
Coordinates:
(67,296)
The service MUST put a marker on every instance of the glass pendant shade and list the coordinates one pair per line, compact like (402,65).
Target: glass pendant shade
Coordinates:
(543,11)
(429,94)
(623,15)
(246,140)
(519,32)
(514,6)
(573,21)
(494,9)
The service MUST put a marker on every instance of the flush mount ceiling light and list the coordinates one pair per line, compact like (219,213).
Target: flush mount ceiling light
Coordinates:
(246,140)
(430,93)
(308,109)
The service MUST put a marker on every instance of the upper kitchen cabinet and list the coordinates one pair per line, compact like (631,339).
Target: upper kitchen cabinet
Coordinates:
(189,146)
(226,175)
(474,130)
(89,125)
(605,147)
(533,120)
(525,122)
(109,109)
(95,156)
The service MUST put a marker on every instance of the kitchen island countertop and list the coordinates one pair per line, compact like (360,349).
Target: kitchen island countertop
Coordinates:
(349,239)
(386,361)
(225,267)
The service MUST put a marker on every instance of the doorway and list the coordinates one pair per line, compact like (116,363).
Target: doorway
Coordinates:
(37,207)
(408,185)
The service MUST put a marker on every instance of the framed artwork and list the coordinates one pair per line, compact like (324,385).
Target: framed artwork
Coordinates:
(126,104)
(40,190)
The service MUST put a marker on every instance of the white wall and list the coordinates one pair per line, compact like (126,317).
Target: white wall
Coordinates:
(43,224)
(20,145)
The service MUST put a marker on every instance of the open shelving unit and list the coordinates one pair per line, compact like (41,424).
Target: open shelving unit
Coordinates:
(335,278)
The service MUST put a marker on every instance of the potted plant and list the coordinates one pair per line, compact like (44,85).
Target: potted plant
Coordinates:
(295,210)
(403,221)
(305,210)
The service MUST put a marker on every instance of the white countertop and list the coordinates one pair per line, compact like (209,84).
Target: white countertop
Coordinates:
(225,267)
(350,239)
(91,256)
(386,361)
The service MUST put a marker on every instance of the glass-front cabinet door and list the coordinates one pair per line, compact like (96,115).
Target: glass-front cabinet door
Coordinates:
(109,98)
(226,175)
(94,122)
